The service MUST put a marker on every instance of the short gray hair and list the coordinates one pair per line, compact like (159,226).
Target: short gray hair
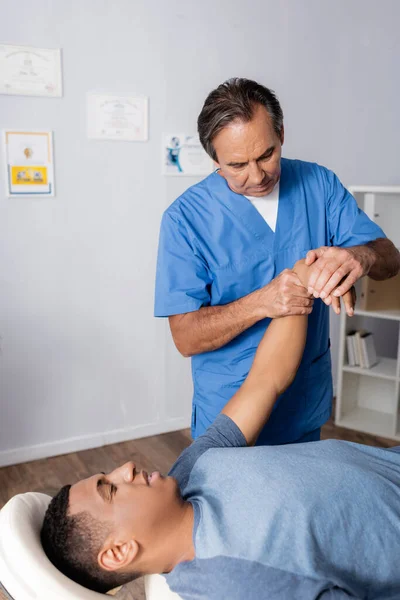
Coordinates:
(235,99)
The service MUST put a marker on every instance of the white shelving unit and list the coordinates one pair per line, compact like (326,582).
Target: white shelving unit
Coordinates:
(368,400)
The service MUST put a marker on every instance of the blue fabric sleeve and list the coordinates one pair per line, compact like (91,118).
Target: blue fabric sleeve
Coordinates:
(182,277)
(223,433)
(348,224)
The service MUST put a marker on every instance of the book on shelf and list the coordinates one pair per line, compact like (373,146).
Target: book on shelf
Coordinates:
(351,356)
(361,349)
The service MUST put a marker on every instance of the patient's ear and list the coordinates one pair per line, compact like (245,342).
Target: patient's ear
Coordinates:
(118,555)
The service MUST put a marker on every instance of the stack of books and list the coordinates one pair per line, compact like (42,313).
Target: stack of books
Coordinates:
(361,349)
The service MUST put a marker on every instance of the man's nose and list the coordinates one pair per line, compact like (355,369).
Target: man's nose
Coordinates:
(256,173)
(124,473)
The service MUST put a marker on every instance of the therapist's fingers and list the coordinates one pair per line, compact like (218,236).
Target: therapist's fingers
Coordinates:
(292,285)
(335,280)
(299,310)
(285,295)
(301,301)
(334,302)
(324,269)
(299,290)
(334,272)
(312,255)
(330,278)
(347,284)
(343,268)
(349,301)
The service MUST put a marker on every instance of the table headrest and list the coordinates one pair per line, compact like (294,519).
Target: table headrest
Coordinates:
(25,571)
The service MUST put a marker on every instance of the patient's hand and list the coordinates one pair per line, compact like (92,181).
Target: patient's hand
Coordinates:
(304,271)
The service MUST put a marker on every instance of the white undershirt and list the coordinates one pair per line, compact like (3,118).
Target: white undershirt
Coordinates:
(267,206)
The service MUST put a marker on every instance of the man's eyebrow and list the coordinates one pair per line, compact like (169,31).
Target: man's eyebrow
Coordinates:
(240,164)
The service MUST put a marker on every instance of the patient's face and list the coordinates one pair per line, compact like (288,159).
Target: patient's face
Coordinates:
(134,503)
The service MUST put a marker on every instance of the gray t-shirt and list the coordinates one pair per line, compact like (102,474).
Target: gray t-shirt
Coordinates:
(315,521)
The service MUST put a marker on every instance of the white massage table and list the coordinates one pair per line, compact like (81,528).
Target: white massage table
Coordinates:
(25,571)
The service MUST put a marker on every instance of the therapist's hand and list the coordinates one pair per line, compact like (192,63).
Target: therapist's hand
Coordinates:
(349,300)
(335,270)
(285,296)
(305,273)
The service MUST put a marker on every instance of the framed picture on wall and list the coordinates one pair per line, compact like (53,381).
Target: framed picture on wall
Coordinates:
(183,154)
(123,118)
(29,163)
(28,71)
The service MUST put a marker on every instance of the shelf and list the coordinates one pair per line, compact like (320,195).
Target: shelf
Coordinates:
(386,369)
(369,421)
(393,315)
(374,189)
(369,399)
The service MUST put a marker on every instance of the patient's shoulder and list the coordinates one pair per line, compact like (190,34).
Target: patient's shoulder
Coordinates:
(223,433)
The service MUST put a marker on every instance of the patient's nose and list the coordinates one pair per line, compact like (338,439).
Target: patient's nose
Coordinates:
(125,473)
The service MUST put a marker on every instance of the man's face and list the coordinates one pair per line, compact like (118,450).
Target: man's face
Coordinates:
(249,154)
(134,504)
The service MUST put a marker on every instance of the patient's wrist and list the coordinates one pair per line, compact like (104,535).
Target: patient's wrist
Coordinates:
(302,271)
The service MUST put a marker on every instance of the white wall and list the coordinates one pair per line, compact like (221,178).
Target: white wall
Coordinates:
(83,360)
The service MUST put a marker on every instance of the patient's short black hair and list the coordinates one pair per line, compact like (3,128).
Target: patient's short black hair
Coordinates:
(72,544)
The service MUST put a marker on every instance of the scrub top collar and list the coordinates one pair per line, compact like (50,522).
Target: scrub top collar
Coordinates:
(249,215)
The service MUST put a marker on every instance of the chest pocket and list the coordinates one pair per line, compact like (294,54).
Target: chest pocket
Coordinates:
(241,277)
(251,272)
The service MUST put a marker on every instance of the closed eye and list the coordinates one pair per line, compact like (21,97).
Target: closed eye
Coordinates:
(106,489)
(266,156)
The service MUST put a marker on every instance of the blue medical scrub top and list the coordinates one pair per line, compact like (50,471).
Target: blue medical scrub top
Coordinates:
(215,248)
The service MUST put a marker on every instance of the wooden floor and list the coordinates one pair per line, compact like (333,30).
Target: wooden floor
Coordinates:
(151,453)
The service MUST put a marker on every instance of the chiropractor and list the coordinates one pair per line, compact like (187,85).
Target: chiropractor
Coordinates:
(225,247)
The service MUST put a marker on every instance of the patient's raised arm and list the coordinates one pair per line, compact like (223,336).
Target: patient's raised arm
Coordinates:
(274,367)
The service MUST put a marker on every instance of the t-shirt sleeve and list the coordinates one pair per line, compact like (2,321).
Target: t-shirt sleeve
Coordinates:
(182,277)
(348,224)
(223,433)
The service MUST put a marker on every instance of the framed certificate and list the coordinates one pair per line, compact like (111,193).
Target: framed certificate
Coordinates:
(29,71)
(122,118)
(29,163)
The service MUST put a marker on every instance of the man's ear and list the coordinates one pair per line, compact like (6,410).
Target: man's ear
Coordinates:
(282,135)
(217,167)
(118,555)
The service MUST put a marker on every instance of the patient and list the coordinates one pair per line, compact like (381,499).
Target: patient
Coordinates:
(319,520)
